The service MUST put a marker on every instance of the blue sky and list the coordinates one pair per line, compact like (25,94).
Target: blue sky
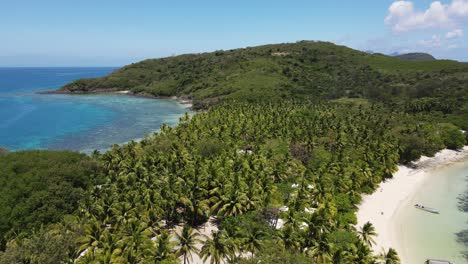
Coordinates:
(114,33)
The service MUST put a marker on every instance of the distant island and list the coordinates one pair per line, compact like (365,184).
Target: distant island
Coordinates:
(417,56)
(271,170)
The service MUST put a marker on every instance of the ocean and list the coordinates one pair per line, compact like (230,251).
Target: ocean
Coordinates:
(73,122)
(424,235)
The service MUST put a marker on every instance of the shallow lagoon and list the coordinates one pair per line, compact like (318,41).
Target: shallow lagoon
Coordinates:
(424,235)
(75,122)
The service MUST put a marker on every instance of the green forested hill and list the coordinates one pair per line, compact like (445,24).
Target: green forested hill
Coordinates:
(306,69)
(283,70)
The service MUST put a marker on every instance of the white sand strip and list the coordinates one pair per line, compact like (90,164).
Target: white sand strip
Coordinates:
(380,207)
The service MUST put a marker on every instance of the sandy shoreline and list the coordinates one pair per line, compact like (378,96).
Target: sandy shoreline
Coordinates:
(380,207)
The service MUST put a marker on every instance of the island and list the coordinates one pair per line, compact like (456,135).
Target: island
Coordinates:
(286,141)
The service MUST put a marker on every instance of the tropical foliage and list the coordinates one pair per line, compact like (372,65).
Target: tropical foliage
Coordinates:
(271,162)
(240,163)
(40,187)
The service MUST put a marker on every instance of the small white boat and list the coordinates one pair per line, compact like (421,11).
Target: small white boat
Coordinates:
(427,209)
(437,261)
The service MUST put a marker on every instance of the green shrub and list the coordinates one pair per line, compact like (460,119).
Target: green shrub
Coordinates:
(452,136)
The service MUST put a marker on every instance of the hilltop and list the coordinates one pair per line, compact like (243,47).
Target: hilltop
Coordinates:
(303,70)
(417,56)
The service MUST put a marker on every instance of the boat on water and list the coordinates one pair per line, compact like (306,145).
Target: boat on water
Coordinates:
(427,209)
(437,261)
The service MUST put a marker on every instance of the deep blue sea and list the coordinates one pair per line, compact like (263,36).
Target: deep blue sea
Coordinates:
(75,122)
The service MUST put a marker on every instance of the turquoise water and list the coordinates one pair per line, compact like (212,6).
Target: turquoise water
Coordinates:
(424,235)
(76,122)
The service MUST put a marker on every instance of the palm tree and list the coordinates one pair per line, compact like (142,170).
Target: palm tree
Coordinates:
(389,257)
(321,251)
(110,252)
(163,246)
(318,224)
(291,219)
(253,240)
(367,232)
(187,243)
(289,238)
(196,208)
(361,253)
(343,256)
(218,249)
(90,241)
(136,239)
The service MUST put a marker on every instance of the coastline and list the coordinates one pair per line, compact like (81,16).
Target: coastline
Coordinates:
(187,103)
(181,102)
(381,207)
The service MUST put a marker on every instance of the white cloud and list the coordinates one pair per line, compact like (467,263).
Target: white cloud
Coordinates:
(459,8)
(456,33)
(403,16)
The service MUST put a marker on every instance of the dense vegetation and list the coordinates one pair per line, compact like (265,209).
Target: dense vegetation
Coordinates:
(40,187)
(306,69)
(290,137)
(238,165)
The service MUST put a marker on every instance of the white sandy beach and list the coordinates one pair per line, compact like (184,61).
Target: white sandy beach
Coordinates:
(380,207)
(123,92)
